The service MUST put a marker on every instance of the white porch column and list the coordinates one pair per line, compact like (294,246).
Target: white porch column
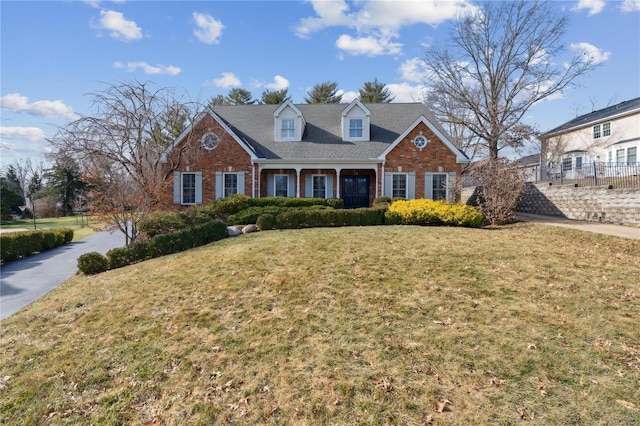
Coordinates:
(298,169)
(338,170)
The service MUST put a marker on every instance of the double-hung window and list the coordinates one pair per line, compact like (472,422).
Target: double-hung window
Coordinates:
(282,186)
(632,156)
(578,163)
(355,127)
(620,156)
(288,129)
(188,188)
(230,184)
(399,185)
(597,133)
(606,129)
(320,186)
(567,164)
(439,186)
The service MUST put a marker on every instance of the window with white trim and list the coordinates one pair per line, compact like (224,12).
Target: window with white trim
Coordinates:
(606,129)
(230,184)
(288,129)
(439,186)
(319,186)
(567,164)
(188,185)
(578,163)
(355,127)
(281,186)
(399,185)
(597,134)
(620,156)
(632,155)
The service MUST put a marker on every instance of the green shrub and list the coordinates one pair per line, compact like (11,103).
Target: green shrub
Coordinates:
(15,245)
(167,243)
(92,263)
(382,200)
(224,207)
(161,222)
(251,214)
(312,218)
(335,203)
(266,222)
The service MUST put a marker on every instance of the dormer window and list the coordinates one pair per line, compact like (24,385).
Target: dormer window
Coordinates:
(355,127)
(288,129)
(355,122)
(288,123)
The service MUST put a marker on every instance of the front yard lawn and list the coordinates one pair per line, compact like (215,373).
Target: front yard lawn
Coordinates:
(367,325)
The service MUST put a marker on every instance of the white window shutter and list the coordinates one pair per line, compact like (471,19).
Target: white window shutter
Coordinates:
(198,187)
(411,185)
(219,185)
(308,186)
(329,186)
(291,191)
(388,184)
(241,183)
(177,188)
(271,185)
(428,185)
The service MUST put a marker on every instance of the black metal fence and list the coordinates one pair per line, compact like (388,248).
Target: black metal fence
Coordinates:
(616,175)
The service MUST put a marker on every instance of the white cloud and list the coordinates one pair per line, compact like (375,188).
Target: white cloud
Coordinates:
(405,92)
(148,69)
(208,28)
(412,70)
(630,6)
(50,109)
(593,6)
(380,14)
(376,22)
(347,96)
(34,134)
(591,52)
(120,28)
(369,46)
(228,79)
(279,83)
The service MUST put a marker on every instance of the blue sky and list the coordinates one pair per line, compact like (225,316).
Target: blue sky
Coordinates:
(55,53)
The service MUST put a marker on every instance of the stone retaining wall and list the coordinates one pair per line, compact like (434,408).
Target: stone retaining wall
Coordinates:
(595,204)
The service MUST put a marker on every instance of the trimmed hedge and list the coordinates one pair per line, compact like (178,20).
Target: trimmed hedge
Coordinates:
(314,218)
(14,245)
(164,244)
(428,212)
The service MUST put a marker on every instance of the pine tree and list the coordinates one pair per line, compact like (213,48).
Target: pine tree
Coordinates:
(375,92)
(324,93)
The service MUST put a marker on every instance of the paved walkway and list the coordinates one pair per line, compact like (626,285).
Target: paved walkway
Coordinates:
(23,281)
(599,228)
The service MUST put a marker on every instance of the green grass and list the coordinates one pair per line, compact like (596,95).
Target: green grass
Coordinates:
(373,325)
(81,228)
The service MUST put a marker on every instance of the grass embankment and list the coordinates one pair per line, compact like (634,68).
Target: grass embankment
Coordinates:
(81,226)
(377,325)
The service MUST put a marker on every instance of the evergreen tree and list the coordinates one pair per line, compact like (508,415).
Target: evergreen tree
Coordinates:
(65,185)
(375,92)
(239,97)
(324,93)
(275,97)
(216,100)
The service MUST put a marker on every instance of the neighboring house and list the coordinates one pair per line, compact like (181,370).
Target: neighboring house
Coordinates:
(356,152)
(530,165)
(610,135)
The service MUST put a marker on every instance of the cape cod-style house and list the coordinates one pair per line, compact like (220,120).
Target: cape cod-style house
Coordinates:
(356,152)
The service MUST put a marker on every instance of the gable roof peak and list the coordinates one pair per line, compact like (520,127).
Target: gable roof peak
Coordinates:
(353,104)
(287,104)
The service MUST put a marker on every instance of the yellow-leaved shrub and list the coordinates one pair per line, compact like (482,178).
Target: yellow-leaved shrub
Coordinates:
(428,212)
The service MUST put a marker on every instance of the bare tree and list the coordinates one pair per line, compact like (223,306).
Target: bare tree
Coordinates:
(500,186)
(125,149)
(499,65)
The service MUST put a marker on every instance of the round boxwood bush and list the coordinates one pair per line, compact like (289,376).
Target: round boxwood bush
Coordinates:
(266,222)
(92,263)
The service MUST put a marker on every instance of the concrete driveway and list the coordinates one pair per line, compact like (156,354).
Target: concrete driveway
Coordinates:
(23,281)
(599,228)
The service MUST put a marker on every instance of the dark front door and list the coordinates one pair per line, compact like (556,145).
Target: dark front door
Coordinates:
(355,191)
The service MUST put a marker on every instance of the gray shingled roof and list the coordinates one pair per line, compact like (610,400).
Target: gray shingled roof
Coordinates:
(598,115)
(322,137)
